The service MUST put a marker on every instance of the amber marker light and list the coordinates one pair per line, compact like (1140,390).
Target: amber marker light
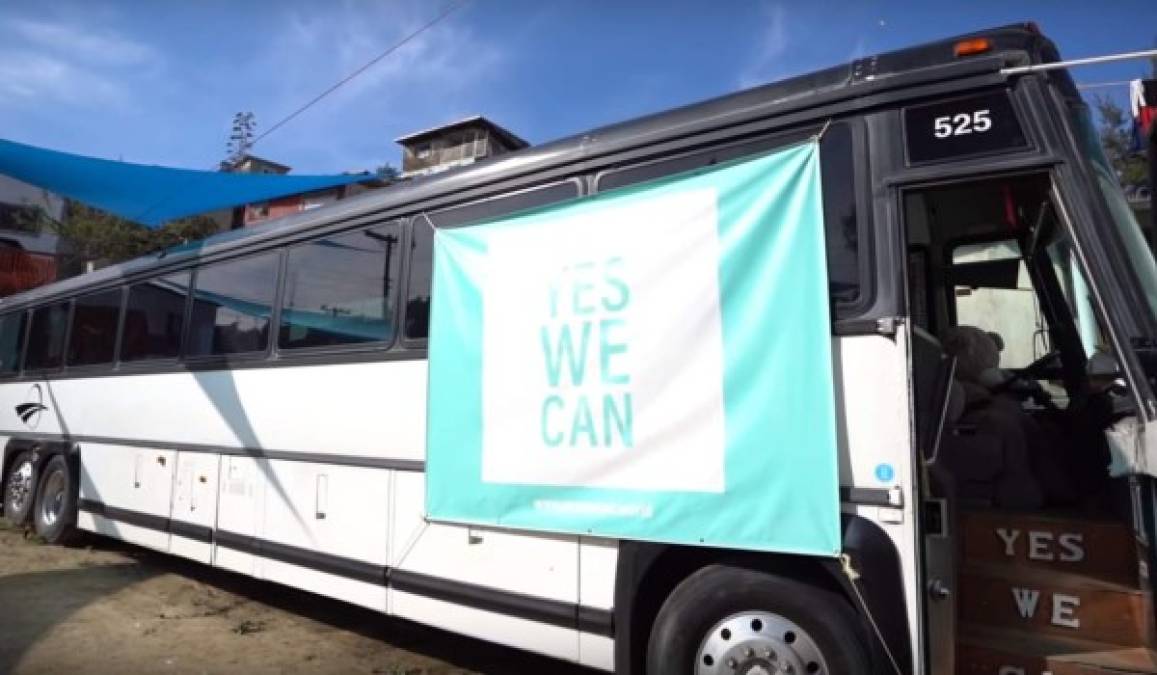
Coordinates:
(973,46)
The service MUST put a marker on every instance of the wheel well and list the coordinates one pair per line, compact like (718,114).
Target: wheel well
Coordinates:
(662,570)
(648,572)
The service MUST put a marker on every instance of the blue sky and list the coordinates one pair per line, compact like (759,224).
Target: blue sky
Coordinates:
(158,82)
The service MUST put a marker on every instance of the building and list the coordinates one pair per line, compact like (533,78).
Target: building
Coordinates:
(253,164)
(253,214)
(424,152)
(29,253)
(455,144)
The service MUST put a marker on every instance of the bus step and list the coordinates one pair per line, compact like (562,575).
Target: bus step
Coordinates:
(986,651)
(1054,603)
(1098,548)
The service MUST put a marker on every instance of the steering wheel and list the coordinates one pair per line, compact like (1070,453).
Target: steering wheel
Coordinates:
(1024,383)
(1047,367)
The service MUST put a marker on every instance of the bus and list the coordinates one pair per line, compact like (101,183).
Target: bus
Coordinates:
(953,473)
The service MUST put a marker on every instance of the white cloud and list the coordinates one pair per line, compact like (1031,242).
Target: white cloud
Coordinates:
(67,63)
(442,71)
(86,43)
(162,85)
(766,64)
(29,77)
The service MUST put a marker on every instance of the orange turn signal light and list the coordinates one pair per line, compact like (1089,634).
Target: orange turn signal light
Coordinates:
(973,46)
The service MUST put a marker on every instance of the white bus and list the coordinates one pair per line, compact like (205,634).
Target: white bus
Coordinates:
(258,401)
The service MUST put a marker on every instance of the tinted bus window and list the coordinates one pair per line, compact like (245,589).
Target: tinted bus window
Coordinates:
(232,303)
(46,337)
(421,255)
(838,177)
(341,290)
(154,318)
(93,337)
(11,342)
(841,224)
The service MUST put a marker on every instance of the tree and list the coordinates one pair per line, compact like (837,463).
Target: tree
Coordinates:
(1117,139)
(240,138)
(387,172)
(91,235)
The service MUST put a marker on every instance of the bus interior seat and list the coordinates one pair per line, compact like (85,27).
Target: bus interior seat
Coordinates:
(967,459)
(1027,473)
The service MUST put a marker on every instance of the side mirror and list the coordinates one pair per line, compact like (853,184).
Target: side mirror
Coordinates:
(1102,365)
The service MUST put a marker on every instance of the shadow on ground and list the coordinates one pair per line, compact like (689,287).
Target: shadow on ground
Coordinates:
(58,594)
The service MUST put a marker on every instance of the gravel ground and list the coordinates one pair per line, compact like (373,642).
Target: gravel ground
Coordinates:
(113,608)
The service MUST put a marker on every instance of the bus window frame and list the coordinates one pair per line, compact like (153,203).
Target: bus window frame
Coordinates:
(42,373)
(419,345)
(230,360)
(1096,242)
(279,353)
(1046,287)
(105,365)
(144,365)
(18,371)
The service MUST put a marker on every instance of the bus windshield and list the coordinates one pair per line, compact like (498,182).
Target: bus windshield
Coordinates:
(1123,219)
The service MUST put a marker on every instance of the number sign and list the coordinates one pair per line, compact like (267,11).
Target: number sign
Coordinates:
(963,127)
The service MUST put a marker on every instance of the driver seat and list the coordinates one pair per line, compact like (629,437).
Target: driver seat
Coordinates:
(990,450)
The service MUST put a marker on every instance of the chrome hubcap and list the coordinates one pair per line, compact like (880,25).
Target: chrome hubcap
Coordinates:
(53,500)
(20,486)
(758,643)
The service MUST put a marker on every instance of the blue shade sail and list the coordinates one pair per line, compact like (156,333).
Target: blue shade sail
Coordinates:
(151,195)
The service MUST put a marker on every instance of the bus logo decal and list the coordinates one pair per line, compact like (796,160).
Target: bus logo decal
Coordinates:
(29,411)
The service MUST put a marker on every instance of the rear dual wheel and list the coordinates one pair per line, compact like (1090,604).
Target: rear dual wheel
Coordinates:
(732,621)
(54,515)
(20,489)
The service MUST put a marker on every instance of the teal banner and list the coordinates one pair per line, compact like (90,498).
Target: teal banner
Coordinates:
(651,363)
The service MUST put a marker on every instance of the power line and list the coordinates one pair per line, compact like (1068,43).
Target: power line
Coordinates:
(393,48)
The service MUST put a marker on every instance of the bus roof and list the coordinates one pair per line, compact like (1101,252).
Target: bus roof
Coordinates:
(1015,44)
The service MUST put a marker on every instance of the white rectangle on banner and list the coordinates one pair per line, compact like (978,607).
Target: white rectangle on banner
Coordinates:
(603,350)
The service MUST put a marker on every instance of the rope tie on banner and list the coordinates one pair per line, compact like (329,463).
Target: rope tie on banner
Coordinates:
(853,576)
(823,130)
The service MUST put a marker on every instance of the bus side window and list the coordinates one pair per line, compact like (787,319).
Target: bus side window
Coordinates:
(341,290)
(95,317)
(422,238)
(841,222)
(232,306)
(46,337)
(155,318)
(11,342)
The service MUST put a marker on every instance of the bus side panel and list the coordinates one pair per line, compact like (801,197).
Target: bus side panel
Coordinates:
(485,567)
(598,562)
(354,410)
(332,518)
(241,505)
(875,441)
(194,505)
(133,487)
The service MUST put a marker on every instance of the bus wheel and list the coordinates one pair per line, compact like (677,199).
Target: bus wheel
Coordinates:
(54,517)
(731,621)
(20,489)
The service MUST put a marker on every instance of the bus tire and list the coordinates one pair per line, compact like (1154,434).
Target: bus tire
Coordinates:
(724,619)
(20,489)
(54,517)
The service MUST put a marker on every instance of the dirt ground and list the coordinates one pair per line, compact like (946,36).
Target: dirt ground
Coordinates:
(107,607)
